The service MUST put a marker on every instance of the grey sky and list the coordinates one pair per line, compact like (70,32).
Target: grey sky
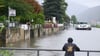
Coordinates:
(89,3)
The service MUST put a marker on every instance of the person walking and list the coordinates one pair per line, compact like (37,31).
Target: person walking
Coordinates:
(70,47)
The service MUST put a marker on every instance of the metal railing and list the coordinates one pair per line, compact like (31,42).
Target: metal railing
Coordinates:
(38,50)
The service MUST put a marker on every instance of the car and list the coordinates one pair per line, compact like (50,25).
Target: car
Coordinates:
(83,26)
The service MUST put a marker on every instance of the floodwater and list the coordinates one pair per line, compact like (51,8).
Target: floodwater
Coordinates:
(85,39)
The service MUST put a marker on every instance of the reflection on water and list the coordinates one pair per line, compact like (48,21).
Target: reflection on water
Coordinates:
(37,42)
(23,44)
(84,39)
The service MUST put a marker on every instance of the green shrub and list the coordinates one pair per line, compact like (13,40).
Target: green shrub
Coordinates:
(98,26)
(6,53)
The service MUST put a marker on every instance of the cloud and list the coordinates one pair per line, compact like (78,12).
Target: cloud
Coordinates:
(89,3)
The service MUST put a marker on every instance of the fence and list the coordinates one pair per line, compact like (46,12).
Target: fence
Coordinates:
(38,50)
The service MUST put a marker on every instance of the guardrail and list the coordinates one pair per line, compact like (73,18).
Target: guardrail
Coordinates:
(38,50)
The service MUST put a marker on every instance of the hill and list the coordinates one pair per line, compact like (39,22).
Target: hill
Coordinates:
(91,14)
(74,8)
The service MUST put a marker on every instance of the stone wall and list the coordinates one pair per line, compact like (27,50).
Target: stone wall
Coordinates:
(34,33)
(14,35)
(18,34)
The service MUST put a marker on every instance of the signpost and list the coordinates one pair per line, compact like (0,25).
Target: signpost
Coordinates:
(12,12)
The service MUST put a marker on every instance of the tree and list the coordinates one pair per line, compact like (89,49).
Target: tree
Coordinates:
(67,19)
(35,5)
(25,9)
(73,19)
(38,16)
(54,8)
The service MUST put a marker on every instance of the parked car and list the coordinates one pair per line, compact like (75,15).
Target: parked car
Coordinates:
(83,26)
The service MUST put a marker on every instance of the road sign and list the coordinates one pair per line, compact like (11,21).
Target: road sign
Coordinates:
(12,12)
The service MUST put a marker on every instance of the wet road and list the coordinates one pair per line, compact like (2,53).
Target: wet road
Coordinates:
(85,39)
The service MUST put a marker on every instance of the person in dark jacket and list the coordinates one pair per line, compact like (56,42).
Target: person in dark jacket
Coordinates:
(70,47)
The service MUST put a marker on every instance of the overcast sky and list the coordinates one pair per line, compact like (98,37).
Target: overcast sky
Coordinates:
(89,3)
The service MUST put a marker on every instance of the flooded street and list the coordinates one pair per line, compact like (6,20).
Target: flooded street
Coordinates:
(85,39)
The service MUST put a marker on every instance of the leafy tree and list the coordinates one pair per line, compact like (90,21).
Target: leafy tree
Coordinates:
(55,8)
(25,9)
(67,19)
(2,18)
(35,5)
(37,16)
(73,19)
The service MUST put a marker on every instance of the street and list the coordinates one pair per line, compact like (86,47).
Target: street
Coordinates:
(85,39)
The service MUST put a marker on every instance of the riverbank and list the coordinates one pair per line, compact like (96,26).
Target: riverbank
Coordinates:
(12,35)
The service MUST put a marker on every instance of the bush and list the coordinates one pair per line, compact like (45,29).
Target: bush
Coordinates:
(6,53)
(98,26)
